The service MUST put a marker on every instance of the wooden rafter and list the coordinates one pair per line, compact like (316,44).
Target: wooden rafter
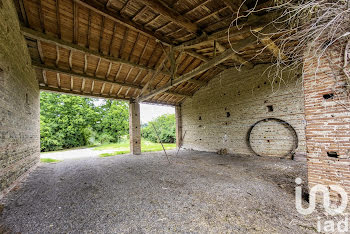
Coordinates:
(45,68)
(200,69)
(210,15)
(143,51)
(44,77)
(101,34)
(124,21)
(235,56)
(89,30)
(206,66)
(75,23)
(254,23)
(197,7)
(112,39)
(140,13)
(71,82)
(85,62)
(58,19)
(126,5)
(70,59)
(134,45)
(125,39)
(172,15)
(270,44)
(153,20)
(234,5)
(58,78)
(109,69)
(23,12)
(70,46)
(40,50)
(80,93)
(41,16)
(57,55)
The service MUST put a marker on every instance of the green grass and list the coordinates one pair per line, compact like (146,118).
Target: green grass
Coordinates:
(123,148)
(113,154)
(49,160)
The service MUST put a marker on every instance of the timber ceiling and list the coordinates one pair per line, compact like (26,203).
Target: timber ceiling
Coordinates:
(153,51)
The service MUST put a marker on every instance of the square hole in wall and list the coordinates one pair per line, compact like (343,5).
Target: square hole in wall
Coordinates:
(328,96)
(270,108)
(332,154)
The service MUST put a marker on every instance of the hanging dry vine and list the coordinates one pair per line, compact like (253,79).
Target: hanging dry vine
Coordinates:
(305,26)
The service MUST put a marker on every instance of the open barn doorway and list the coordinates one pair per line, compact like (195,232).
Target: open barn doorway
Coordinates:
(74,127)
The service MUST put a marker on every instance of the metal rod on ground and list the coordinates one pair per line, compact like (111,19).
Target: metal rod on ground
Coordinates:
(160,142)
(178,150)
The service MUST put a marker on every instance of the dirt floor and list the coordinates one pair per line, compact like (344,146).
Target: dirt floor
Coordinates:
(196,192)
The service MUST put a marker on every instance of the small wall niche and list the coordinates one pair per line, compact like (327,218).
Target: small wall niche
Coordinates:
(328,96)
(332,154)
(27,99)
(270,108)
(228,114)
(200,118)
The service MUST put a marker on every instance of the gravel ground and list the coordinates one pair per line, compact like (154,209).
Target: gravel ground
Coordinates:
(75,154)
(197,192)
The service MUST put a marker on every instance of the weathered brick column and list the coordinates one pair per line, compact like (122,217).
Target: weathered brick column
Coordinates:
(178,116)
(134,128)
(327,114)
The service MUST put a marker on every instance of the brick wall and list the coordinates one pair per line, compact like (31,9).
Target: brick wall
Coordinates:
(220,115)
(328,122)
(19,102)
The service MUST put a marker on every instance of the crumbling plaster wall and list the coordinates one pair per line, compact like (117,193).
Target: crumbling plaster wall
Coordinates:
(220,115)
(19,102)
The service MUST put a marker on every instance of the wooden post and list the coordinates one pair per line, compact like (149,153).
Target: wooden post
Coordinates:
(134,128)
(178,116)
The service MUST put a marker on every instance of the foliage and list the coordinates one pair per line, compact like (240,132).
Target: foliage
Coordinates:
(71,121)
(49,160)
(123,148)
(165,126)
(114,153)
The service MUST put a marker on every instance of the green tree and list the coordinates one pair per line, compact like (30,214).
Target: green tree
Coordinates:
(115,119)
(71,121)
(165,126)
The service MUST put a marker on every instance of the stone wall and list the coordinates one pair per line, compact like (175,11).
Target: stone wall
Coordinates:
(220,115)
(19,102)
(327,112)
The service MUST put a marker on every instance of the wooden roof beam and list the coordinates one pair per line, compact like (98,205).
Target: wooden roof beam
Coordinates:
(46,68)
(234,6)
(198,70)
(102,10)
(206,66)
(172,15)
(70,46)
(80,93)
(270,45)
(235,56)
(254,23)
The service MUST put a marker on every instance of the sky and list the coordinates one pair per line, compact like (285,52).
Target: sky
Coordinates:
(150,112)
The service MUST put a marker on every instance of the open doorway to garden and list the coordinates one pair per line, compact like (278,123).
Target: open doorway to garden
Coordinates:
(74,127)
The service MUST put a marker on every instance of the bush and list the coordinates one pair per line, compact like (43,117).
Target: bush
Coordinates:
(71,121)
(165,126)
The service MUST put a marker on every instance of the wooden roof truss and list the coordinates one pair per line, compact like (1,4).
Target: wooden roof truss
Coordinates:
(158,51)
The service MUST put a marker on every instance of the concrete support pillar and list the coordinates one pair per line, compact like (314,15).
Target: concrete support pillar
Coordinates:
(178,116)
(327,122)
(134,128)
